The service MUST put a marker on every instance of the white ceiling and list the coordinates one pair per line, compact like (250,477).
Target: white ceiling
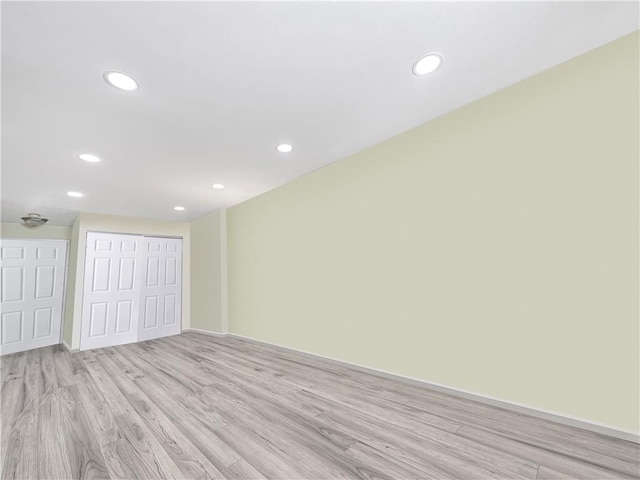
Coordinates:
(222,83)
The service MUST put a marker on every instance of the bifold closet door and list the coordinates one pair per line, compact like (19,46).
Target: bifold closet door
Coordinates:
(31,292)
(111,302)
(132,289)
(161,305)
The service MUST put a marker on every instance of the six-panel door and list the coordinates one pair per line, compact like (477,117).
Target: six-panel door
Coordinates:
(32,277)
(132,289)
(161,288)
(111,301)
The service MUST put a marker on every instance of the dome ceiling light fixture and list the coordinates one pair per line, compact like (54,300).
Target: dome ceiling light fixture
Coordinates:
(34,220)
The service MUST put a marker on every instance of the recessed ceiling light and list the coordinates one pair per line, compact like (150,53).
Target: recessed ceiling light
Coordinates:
(217,186)
(75,194)
(427,64)
(284,148)
(178,208)
(121,80)
(87,157)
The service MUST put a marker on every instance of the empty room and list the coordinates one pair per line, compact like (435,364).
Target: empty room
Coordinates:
(318,240)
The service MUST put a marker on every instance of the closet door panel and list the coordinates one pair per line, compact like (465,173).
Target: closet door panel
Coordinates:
(162,288)
(133,289)
(32,276)
(111,290)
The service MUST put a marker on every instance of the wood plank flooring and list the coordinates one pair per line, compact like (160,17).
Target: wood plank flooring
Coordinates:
(200,407)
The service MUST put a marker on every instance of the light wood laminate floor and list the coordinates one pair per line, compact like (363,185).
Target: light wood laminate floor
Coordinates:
(196,407)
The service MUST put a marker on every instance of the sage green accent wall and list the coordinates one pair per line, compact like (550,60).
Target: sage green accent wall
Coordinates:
(118,224)
(493,250)
(18,230)
(208,272)
(70,293)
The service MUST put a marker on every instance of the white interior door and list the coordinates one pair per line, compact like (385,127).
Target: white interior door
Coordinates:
(31,290)
(161,304)
(111,301)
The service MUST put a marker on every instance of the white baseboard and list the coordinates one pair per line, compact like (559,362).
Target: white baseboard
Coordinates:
(544,414)
(68,348)
(205,332)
